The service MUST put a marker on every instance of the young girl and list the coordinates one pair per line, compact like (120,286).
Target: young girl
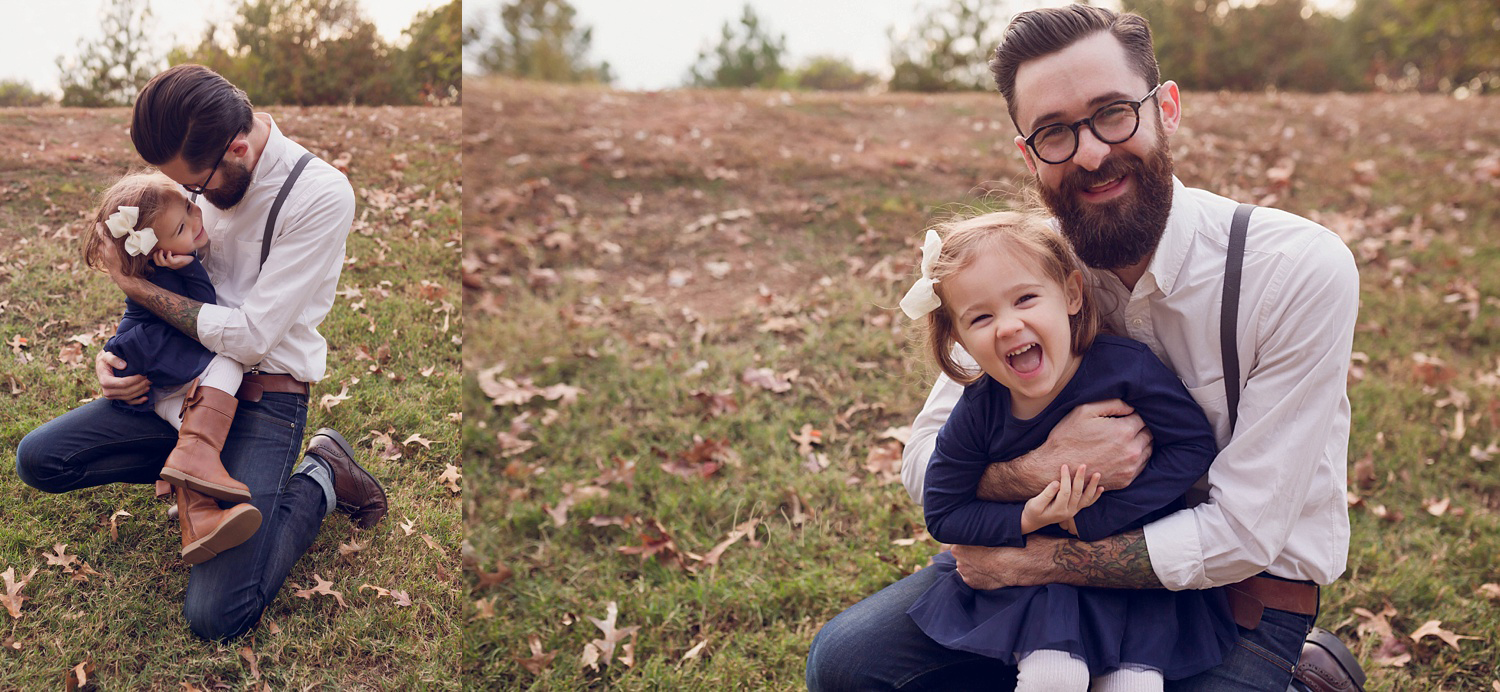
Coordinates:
(148,221)
(1011,292)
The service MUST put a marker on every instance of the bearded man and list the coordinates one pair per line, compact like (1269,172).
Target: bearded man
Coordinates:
(1270,521)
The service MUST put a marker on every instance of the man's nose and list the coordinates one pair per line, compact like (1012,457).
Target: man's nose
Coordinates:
(1091,150)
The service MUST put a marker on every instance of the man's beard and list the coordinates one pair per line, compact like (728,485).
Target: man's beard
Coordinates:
(1123,231)
(236,181)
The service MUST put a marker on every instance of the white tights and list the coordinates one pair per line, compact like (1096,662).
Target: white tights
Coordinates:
(222,373)
(1047,670)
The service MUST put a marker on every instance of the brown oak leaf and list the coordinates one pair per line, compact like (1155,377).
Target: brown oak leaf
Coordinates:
(12,598)
(323,587)
(602,650)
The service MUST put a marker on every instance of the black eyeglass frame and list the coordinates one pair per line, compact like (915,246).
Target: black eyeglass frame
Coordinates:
(195,190)
(1134,106)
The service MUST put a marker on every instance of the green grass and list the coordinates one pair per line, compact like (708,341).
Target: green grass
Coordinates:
(1422,228)
(126,621)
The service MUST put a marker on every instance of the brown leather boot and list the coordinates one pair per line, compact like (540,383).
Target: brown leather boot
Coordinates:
(208,530)
(194,463)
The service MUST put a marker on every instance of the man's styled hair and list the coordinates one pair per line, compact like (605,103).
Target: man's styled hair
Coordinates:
(188,111)
(1038,33)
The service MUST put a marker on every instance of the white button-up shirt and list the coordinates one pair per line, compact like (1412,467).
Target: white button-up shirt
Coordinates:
(1276,491)
(269,316)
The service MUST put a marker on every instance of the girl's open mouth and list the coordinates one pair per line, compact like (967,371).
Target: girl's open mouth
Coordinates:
(1026,359)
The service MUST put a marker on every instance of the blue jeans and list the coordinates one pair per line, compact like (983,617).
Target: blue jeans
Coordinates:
(98,443)
(874,645)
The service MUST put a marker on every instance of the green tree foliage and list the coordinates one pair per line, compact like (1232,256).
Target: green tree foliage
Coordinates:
(109,71)
(825,73)
(304,52)
(948,49)
(1219,44)
(747,56)
(15,93)
(537,39)
(431,61)
(1429,45)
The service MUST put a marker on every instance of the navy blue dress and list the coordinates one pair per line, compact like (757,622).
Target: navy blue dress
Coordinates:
(1180,633)
(158,350)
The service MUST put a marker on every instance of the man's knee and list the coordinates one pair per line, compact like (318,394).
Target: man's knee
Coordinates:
(216,620)
(833,660)
(36,466)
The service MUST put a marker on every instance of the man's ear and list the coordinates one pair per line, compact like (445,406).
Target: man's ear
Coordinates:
(1026,153)
(1170,107)
(1073,291)
(241,146)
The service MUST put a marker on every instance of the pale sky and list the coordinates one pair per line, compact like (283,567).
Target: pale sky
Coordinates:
(33,33)
(651,44)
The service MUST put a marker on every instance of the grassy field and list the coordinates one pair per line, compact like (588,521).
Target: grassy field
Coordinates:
(684,371)
(394,337)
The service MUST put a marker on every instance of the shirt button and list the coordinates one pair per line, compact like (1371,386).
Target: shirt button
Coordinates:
(1136,321)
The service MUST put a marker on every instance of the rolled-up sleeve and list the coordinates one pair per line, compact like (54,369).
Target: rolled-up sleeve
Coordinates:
(1286,462)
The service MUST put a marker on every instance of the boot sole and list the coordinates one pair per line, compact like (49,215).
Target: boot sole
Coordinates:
(238,525)
(214,490)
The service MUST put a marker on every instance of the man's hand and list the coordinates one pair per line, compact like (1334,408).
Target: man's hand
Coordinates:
(1109,436)
(1061,499)
(985,568)
(131,389)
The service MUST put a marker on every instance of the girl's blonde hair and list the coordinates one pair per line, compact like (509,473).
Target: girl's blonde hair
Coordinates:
(1021,232)
(151,192)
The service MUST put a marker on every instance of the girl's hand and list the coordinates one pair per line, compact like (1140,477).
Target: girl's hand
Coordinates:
(170,260)
(1061,499)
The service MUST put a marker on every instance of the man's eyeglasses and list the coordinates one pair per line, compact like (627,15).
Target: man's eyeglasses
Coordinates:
(195,190)
(1112,123)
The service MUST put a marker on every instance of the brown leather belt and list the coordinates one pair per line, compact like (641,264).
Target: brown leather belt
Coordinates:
(1249,598)
(255,384)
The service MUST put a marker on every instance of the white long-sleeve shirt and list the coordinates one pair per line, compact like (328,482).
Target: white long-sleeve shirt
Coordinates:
(1276,491)
(270,315)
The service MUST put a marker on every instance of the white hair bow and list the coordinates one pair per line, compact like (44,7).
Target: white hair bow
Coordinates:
(122,224)
(921,298)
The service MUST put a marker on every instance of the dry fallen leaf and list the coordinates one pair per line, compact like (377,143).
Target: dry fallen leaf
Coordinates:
(114,527)
(484,608)
(60,558)
(539,660)
(426,443)
(693,652)
(807,438)
(1434,628)
(741,530)
(1490,591)
(603,650)
(884,462)
(408,527)
(768,379)
(12,597)
(331,400)
(450,478)
(322,587)
(350,548)
(655,542)
(248,654)
(78,677)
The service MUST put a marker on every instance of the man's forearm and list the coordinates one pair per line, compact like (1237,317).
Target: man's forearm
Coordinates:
(1013,481)
(1118,562)
(179,311)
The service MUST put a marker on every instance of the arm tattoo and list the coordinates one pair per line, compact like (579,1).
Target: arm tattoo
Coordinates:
(1120,562)
(178,311)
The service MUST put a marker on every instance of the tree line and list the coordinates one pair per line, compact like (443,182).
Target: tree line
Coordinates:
(290,52)
(1450,46)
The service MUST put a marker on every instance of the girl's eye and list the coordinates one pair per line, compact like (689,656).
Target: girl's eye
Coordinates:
(975,322)
(1024,298)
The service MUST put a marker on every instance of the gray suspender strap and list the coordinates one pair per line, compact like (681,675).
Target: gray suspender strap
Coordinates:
(286,188)
(1230,309)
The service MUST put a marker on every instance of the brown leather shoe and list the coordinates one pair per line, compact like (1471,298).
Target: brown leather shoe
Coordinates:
(1327,665)
(194,463)
(208,530)
(357,492)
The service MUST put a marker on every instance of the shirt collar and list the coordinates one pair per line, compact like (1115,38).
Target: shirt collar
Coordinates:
(271,156)
(1171,250)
